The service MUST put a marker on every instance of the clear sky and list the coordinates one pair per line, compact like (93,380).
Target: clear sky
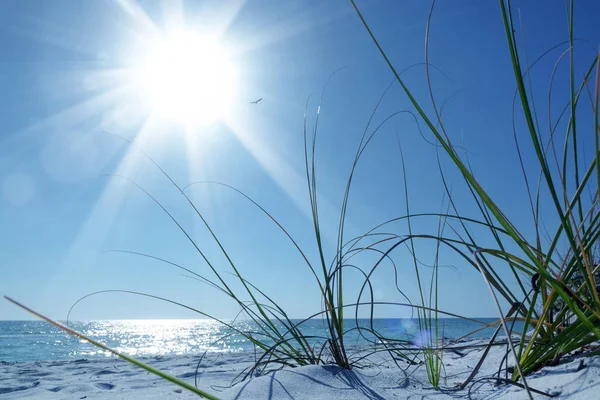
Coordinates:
(74,75)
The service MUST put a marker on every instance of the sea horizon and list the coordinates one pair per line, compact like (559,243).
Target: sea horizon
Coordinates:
(226,319)
(36,340)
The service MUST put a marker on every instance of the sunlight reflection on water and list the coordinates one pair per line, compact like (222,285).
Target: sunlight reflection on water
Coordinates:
(162,337)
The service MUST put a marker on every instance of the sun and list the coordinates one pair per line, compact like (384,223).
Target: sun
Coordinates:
(186,78)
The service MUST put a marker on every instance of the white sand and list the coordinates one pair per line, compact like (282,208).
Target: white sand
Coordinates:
(116,379)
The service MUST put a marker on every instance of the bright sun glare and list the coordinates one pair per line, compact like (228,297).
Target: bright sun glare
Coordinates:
(186,78)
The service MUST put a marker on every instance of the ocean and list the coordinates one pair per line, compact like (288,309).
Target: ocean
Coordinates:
(40,341)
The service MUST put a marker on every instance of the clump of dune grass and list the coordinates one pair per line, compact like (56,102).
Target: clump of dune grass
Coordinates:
(556,271)
(279,340)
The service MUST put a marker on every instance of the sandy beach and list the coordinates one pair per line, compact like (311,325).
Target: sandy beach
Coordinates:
(573,378)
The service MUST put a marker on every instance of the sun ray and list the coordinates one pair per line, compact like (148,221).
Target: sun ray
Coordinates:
(223,17)
(291,181)
(174,15)
(143,24)
(103,215)
(282,29)
(71,116)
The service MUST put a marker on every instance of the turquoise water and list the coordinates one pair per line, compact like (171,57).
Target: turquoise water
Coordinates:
(37,340)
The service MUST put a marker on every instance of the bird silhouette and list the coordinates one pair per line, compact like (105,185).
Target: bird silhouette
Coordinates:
(256,101)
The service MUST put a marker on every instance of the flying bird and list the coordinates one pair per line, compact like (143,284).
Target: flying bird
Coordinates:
(256,101)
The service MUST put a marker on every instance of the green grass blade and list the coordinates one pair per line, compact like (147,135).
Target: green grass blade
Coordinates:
(125,357)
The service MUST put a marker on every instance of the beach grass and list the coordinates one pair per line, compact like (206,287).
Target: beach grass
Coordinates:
(563,306)
(556,276)
(279,340)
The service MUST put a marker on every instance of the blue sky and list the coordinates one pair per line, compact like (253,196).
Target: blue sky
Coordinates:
(64,104)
